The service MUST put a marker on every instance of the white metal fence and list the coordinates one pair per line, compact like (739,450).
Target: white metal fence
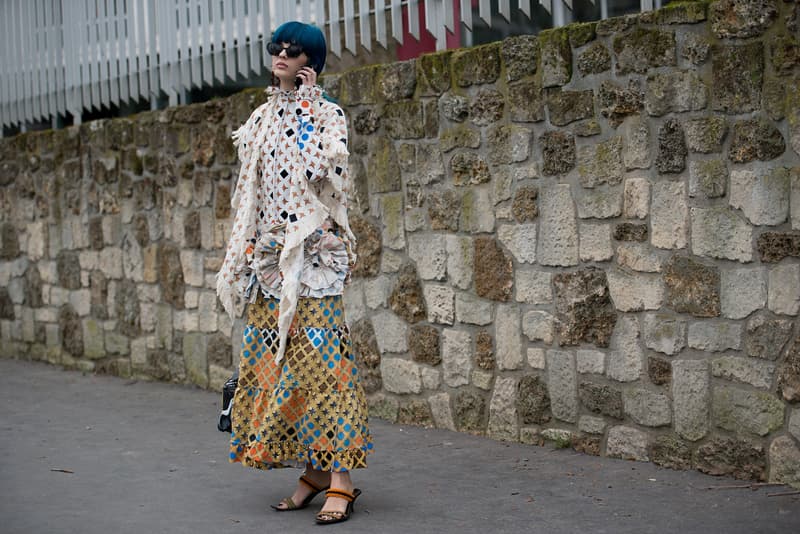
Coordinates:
(61,57)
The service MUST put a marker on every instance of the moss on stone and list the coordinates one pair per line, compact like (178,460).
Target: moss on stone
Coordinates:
(433,73)
(556,59)
(581,33)
(477,65)
(359,86)
(641,49)
(404,120)
(785,54)
(461,136)
(688,12)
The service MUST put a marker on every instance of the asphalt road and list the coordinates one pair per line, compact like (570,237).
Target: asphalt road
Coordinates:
(97,454)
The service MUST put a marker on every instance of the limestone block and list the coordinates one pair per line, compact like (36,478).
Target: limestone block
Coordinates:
(691,394)
(45,315)
(636,134)
(354,307)
(503,423)
(538,326)
(794,424)
(508,143)
(558,152)
(558,243)
(583,306)
(28,325)
(429,252)
(708,178)
(664,333)
(532,286)
(401,376)
(147,317)
(601,163)
(715,336)
(37,240)
(669,215)
(721,233)
(186,320)
(473,310)
(639,257)
(440,302)
(591,361)
(595,242)
(441,412)
(377,291)
(764,199)
(784,461)
(93,339)
(736,410)
(757,373)
(391,209)
(742,291)
(676,92)
(784,289)
(207,316)
(493,270)
(647,408)
(562,385)
(755,139)
(507,338)
(738,74)
(636,198)
(635,292)
(394,332)
(536,358)
(625,362)
(672,151)
(482,379)
(765,337)
(556,57)
(456,357)
(192,265)
(191,299)
(460,252)
(591,424)
(477,211)
(600,203)
(520,240)
(109,262)
(627,443)
(794,201)
(81,301)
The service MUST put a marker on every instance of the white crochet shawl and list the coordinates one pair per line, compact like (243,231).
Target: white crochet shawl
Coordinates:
(331,202)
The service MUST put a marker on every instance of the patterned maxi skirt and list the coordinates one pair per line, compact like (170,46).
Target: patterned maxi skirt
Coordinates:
(310,407)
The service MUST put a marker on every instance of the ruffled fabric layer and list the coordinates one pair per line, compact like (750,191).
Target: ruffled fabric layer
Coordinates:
(326,265)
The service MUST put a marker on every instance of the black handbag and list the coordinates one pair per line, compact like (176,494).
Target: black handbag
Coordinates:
(228,391)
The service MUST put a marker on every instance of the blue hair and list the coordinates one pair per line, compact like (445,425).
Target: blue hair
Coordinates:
(309,37)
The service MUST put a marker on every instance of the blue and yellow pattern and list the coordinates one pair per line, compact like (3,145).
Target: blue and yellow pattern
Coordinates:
(310,407)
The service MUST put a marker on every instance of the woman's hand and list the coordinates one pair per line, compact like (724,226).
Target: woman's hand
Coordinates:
(307,75)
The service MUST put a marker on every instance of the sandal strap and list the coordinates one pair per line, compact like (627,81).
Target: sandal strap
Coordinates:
(308,482)
(341,494)
(335,514)
(290,505)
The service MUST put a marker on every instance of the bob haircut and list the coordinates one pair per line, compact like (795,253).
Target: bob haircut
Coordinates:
(309,37)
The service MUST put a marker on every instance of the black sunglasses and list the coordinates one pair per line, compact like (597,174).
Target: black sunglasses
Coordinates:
(293,50)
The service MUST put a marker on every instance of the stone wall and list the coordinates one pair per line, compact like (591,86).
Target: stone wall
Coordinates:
(588,237)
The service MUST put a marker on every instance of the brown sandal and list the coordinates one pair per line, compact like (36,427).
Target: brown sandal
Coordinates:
(327,518)
(291,506)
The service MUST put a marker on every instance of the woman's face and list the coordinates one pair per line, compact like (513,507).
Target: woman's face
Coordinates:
(285,67)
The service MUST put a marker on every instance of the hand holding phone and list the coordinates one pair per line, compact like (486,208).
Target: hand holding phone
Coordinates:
(306,75)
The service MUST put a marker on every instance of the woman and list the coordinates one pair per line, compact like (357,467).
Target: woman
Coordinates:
(299,397)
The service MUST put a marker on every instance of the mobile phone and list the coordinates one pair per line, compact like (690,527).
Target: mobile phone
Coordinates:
(298,81)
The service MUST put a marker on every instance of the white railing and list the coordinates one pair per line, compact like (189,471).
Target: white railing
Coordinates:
(61,57)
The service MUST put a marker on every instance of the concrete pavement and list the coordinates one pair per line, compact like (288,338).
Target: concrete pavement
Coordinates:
(98,454)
